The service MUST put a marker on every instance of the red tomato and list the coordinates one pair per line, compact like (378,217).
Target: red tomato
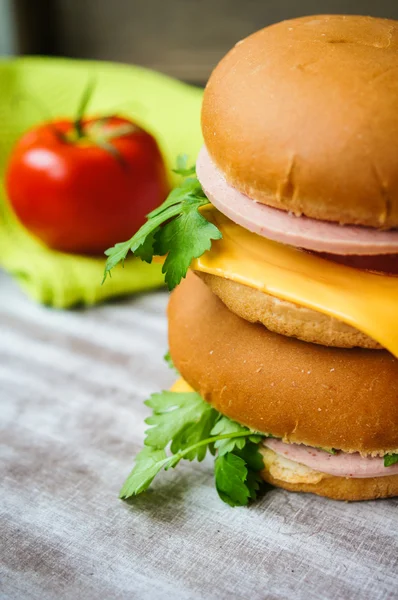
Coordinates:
(83,192)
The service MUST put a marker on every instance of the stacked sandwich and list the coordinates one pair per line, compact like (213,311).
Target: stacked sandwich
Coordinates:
(287,324)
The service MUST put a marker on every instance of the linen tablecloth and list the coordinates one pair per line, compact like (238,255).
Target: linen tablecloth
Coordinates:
(72,386)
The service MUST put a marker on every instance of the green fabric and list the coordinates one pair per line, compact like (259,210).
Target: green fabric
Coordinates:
(37,89)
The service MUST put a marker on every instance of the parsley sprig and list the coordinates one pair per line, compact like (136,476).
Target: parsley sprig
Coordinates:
(190,427)
(176,229)
(390,459)
(169,361)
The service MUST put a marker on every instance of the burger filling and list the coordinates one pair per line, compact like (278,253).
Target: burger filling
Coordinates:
(311,465)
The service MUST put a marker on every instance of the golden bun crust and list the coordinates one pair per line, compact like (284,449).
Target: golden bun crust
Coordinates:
(302,116)
(340,488)
(298,478)
(300,392)
(285,317)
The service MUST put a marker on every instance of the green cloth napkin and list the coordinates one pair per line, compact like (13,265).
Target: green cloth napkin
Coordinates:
(35,89)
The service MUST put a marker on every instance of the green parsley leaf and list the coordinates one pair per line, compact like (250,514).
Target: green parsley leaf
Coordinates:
(328,450)
(254,483)
(189,188)
(176,229)
(390,460)
(182,168)
(252,456)
(230,476)
(119,252)
(186,237)
(173,415)
(186,423)
(191,435)
(237,490)
(145,251)
(167,358)
(148,463)
(226,426)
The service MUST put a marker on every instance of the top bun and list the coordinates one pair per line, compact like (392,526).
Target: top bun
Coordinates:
(303,116)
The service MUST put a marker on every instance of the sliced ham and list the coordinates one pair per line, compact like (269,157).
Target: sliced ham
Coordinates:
(281,226)
(384,263)
(340,465)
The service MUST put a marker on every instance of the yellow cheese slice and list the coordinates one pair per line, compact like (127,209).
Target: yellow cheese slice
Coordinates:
(364,300)
(181,386)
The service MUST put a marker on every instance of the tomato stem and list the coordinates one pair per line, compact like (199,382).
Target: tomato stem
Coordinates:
(94,132)
(81,111)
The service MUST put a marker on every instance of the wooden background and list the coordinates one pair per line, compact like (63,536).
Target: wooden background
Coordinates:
(184,38)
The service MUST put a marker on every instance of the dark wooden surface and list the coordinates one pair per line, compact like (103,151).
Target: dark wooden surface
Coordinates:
(184,38)
(72,386)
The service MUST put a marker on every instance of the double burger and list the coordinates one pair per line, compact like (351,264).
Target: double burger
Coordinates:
(287,325)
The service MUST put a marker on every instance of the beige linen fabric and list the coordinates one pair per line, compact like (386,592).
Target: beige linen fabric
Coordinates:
(72,386)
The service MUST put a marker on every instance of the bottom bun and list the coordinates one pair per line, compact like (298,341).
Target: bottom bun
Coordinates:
(298,392)
(298,478)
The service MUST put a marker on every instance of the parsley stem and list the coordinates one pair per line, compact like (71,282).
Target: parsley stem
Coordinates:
(226,436)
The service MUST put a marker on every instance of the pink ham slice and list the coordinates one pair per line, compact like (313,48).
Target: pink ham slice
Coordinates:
(341,464)
(281,226)
(383,263)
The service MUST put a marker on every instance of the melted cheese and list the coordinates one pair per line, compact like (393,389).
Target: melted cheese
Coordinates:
(181,386)
(364,300)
